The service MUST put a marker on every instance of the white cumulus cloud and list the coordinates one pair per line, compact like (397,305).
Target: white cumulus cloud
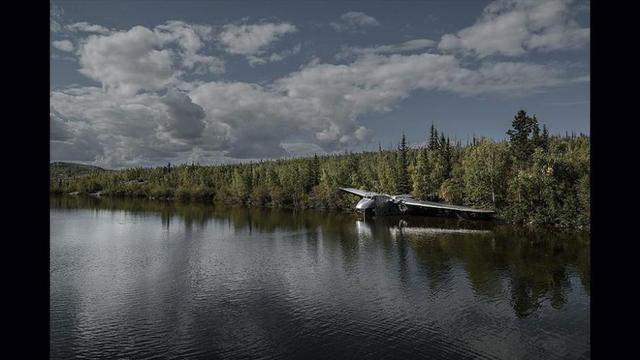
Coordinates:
(85,27)
(513,27)
(63,45)
(127,62)
(252,39)
(411,45)
(353,20)
(143,129)
(55,18)
(151,109)
(321,105)
(274,57)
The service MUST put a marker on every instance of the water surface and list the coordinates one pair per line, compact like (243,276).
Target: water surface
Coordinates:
(140,280)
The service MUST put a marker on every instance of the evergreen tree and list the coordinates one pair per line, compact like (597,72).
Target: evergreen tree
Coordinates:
(444,153)
(544,139)
(403,186)
(522,146)
(433,138)
(536,139)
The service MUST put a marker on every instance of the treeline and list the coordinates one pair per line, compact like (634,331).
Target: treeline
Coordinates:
(532,178)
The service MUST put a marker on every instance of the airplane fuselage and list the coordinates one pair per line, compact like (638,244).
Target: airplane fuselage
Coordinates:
(380,205)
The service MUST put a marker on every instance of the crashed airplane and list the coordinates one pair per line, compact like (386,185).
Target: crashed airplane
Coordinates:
(377,204)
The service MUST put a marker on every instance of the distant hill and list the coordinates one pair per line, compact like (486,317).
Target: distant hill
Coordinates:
(62,170)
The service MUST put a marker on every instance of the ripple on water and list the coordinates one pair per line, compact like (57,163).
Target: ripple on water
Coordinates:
(270,285)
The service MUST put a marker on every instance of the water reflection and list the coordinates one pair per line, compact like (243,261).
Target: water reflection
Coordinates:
(439,287)
(535,263)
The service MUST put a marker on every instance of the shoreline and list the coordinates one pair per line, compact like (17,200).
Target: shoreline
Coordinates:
(498,220)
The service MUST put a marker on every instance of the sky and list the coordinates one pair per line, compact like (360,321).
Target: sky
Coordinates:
(145,83)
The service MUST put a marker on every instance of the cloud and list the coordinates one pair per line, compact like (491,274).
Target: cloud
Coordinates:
(203,64)
(254,118)
(353,20)
(274,57)
(88,28)
(83,147)
(63,45)
(141,59)
(58,130)
(185,117)
(143,129)
(128,61)
(302,149)
(411,45)
(259,119)
(55,18)
(150,110)
(514,27)
(336,96)
(510,79)
(72,143)
(252,39)
(319,105)
(191,38)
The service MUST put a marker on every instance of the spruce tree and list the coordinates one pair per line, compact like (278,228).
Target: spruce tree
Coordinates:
(403,186)
(433,138)
(544,139)
(522,146)
(536,139)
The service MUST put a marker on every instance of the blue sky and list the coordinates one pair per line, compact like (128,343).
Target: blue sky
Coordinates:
(148,82)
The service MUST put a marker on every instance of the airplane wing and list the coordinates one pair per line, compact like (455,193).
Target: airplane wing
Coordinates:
(359,192)
(435,205)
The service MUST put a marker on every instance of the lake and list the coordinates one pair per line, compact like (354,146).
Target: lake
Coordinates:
(138,279)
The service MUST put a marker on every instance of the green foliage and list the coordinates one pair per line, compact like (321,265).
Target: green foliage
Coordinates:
(523,136)
(486,167)
(555,188)
(402,175)
(424,186)
(532,179)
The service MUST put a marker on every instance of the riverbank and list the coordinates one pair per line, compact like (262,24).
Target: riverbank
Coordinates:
(345,210)
(537,181)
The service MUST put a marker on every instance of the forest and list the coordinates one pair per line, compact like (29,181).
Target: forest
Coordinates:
(531,177)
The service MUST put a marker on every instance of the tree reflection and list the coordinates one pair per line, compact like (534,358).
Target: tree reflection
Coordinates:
(539,264)
(531,267)
(534,265)
(485,258)
(434,258)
